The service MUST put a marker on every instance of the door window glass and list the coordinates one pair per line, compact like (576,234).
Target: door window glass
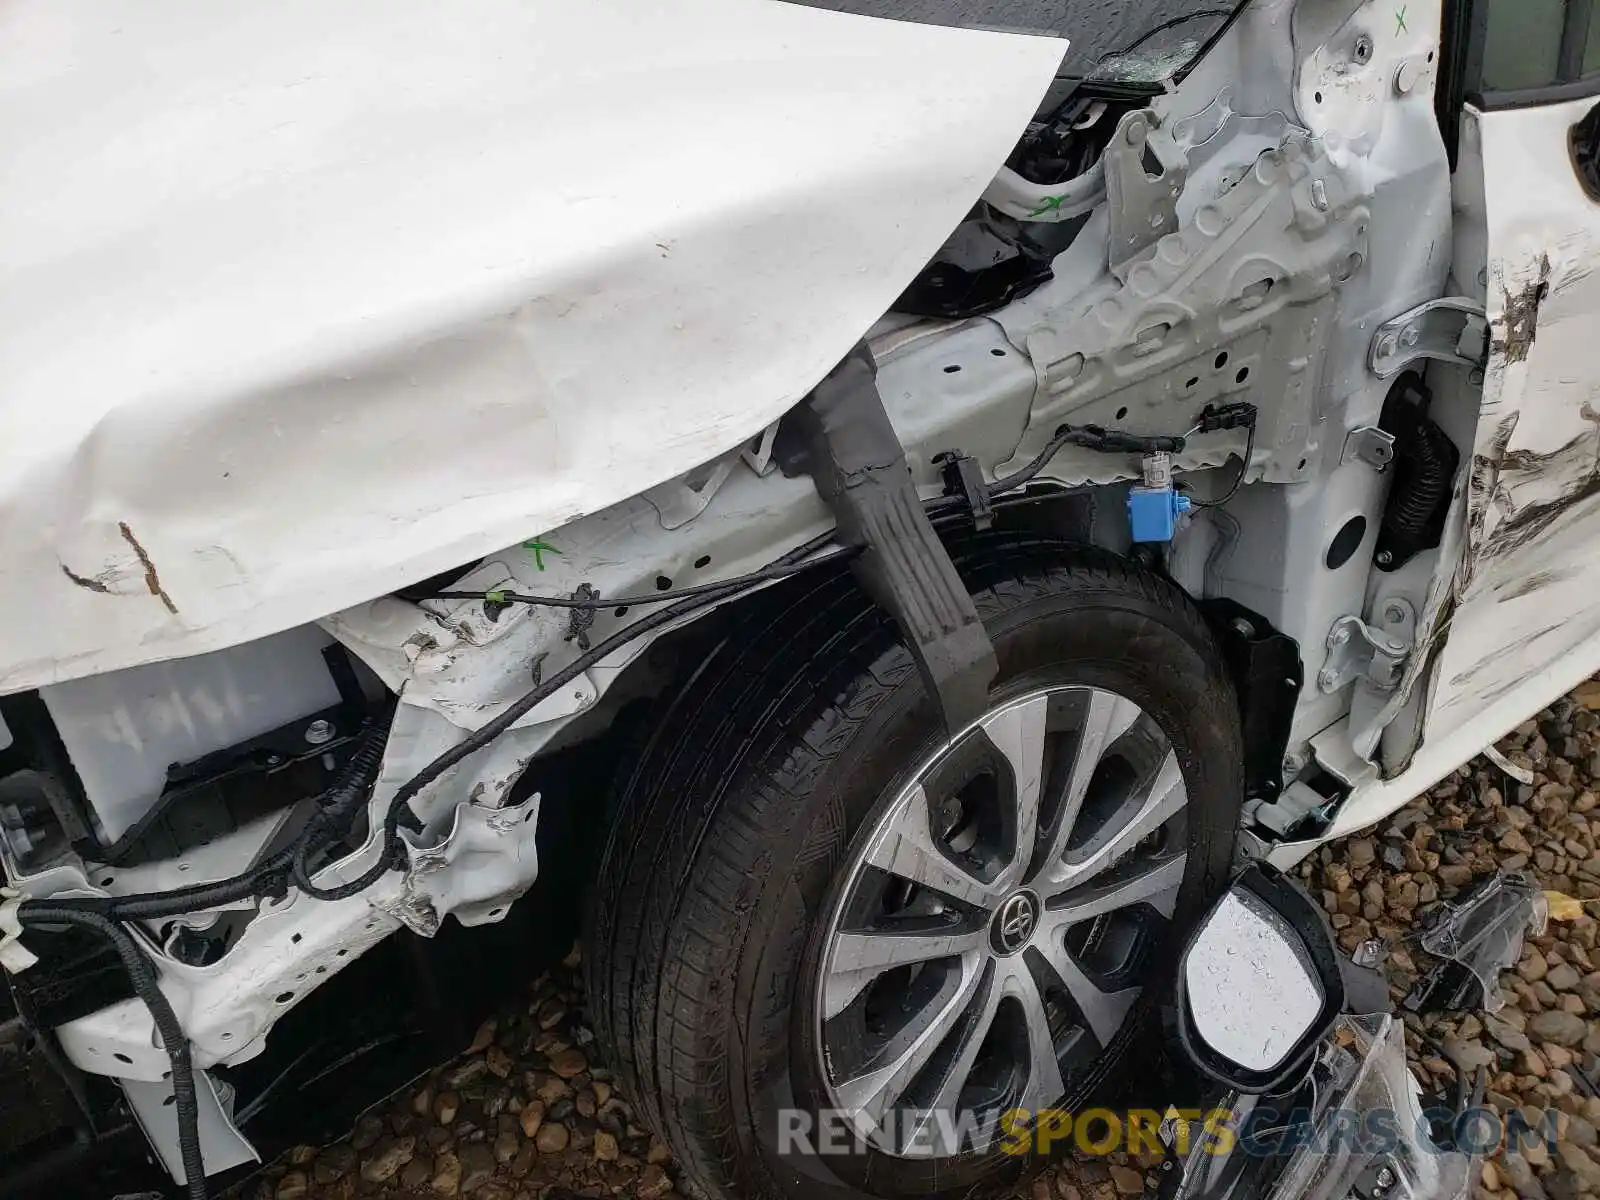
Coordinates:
(1532,44)
(1522,44)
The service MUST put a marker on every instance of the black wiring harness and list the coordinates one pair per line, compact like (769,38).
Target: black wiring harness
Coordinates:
(106,915)
(1229,416)
(967,498)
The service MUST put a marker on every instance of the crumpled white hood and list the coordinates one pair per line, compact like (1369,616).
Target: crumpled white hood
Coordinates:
(302,302)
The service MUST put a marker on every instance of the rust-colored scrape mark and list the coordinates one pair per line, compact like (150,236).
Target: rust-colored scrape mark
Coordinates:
(151,579)
(1521,320)
(93,585)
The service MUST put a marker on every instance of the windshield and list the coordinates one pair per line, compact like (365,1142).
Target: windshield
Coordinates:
(1112,41)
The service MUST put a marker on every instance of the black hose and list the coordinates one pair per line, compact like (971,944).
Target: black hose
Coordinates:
(270,876)
(702,597)
(1090,437)
(778,570)
(339,805)
(151,906)
(142,974)
(1244,469)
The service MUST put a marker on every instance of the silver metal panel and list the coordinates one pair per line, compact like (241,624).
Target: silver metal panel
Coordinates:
(221,1144)
(124,729)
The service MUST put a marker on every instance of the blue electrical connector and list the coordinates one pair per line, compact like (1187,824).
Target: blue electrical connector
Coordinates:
(1154,509)
(1153,513)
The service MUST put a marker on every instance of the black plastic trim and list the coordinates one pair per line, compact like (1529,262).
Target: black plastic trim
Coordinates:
(1555,93)
(842,437)
(1460,62)
(1267,678)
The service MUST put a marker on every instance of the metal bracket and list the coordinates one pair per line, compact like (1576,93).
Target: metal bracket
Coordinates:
(679,501)
(222,1146)
(1393,619)
(1356,650)
(1143,207)
(1370,445)
(1453,329)
(841,435)
(757,453)
(1297,802)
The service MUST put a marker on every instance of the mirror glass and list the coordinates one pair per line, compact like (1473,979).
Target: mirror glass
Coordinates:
(1252,990)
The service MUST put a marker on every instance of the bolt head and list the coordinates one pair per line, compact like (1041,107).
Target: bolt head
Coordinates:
(1137,131)
(1388,344)
(1385,558)
(1393,612)
(1340,636)
(319,732)
(1328,677)
(1242,627)
(1411,336)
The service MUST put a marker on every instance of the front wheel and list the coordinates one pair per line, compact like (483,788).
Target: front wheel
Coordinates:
(820,913)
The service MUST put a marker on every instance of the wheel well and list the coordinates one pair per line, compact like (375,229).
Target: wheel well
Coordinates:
(582,765)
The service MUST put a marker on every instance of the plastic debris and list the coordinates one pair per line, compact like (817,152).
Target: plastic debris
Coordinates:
(14,956)
(1478,937)
(1520,774)
(1361,1071)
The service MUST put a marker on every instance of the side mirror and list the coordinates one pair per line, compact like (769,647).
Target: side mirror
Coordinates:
(1259,984)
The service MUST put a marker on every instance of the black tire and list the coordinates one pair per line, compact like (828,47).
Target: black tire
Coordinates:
(736,817)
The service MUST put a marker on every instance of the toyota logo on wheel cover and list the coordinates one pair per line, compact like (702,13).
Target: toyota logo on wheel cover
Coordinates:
(1015,922)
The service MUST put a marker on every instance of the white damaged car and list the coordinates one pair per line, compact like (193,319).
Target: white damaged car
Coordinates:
(898,506)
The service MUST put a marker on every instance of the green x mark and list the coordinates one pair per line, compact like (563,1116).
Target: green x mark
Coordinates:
(538,549)
(1048,204)
(1400,20)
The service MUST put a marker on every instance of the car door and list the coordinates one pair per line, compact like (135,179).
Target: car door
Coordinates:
(1526,620)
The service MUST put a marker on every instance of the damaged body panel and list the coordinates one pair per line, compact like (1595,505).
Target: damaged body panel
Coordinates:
(392,367)
(1523,612)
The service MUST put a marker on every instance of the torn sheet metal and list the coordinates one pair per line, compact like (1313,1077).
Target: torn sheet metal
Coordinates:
(1476,938)
(487,859)
(305,303)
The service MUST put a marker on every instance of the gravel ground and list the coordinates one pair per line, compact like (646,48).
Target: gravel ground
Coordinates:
(525,1114)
